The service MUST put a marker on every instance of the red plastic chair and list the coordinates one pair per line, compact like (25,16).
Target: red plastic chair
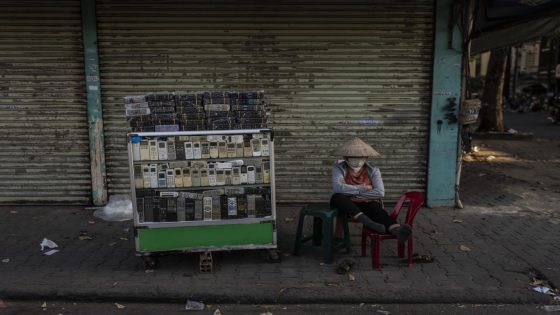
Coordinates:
(415,201)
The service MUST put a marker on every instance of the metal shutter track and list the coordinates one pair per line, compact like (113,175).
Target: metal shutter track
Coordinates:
(330,69)
(43,114)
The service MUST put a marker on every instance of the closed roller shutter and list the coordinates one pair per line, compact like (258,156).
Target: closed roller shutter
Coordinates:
(43,114)
(330,69)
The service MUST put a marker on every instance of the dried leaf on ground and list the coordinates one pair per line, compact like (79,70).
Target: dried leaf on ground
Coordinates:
(464,248)
(383,312)
(44,305)
(217,312)
(123,238)
(282,290)
(149,270)
(84,236)
(119,306)
(6,260)
(351,277)
(112,243)
(115,284)
(288,220)
(13,211)
(91,222)
(266,313)
(536,282)
(458,221)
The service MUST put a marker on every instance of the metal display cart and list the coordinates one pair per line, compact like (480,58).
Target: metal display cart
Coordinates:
(202,191)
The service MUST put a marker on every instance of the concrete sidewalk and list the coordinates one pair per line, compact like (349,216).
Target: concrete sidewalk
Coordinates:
(509,240)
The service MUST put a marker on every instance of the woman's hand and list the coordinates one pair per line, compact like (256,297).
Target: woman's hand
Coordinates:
(369,187)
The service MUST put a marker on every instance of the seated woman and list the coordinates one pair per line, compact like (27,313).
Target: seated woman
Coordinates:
(358,189)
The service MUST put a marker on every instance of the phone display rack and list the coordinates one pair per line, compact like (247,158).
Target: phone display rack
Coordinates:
(196,190)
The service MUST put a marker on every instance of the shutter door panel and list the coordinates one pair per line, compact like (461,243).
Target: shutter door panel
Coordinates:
(43,114)
(330,70)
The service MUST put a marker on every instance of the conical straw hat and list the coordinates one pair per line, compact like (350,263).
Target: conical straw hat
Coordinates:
(355,147)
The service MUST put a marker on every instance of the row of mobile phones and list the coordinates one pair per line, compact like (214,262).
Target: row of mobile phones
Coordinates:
(211,147)
(207,208)
(212,174)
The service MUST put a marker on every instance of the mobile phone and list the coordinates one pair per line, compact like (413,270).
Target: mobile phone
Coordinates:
(239,149)
(187,180)
(205,150)
(250,174)
(189,154)
(178,177)
(222,149)
(258,175)
(247,150)
(207,208)
(220,177)
(265,151)
(138,177)
(214,153)
(211,177)
(231,149)
(170,177)
(154,176)
(146,175)
(171,150)
(197,153)
(144,150)
(266,172)
(162,150)
(227,175)
(136,151)
(204,181)
(236,176)
(162,179)
(256,147)
(232,207)
(195,176)
(153,147)
(243,177)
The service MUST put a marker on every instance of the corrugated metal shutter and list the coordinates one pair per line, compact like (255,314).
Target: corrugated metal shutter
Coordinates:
(330,69)
(43,114)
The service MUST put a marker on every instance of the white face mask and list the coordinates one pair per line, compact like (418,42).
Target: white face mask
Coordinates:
(356,163)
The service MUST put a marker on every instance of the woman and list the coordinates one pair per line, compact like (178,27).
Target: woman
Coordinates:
(358,189)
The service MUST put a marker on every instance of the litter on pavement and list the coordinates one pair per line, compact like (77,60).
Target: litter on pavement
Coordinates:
(194,306)
(46,243)
(51,252)
(552,308)
(542,289)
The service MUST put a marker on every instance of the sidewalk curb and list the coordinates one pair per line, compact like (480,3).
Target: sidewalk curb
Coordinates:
(294,296)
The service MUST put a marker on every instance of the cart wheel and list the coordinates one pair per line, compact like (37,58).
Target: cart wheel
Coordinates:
(150,262)
(274,256)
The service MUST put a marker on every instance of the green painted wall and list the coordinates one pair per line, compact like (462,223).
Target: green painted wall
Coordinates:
(442,159)
(177,238)
(95,110)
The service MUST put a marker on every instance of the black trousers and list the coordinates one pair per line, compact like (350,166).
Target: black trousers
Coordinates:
(373,210)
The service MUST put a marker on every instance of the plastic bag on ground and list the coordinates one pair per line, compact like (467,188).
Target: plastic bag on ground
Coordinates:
(119,208)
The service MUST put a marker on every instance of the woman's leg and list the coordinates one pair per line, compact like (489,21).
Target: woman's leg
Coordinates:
(374,210)
(343,203)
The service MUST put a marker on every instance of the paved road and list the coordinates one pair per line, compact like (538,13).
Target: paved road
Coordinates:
(80,308)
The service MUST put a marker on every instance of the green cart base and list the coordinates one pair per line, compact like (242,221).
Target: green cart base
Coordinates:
(204,238)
